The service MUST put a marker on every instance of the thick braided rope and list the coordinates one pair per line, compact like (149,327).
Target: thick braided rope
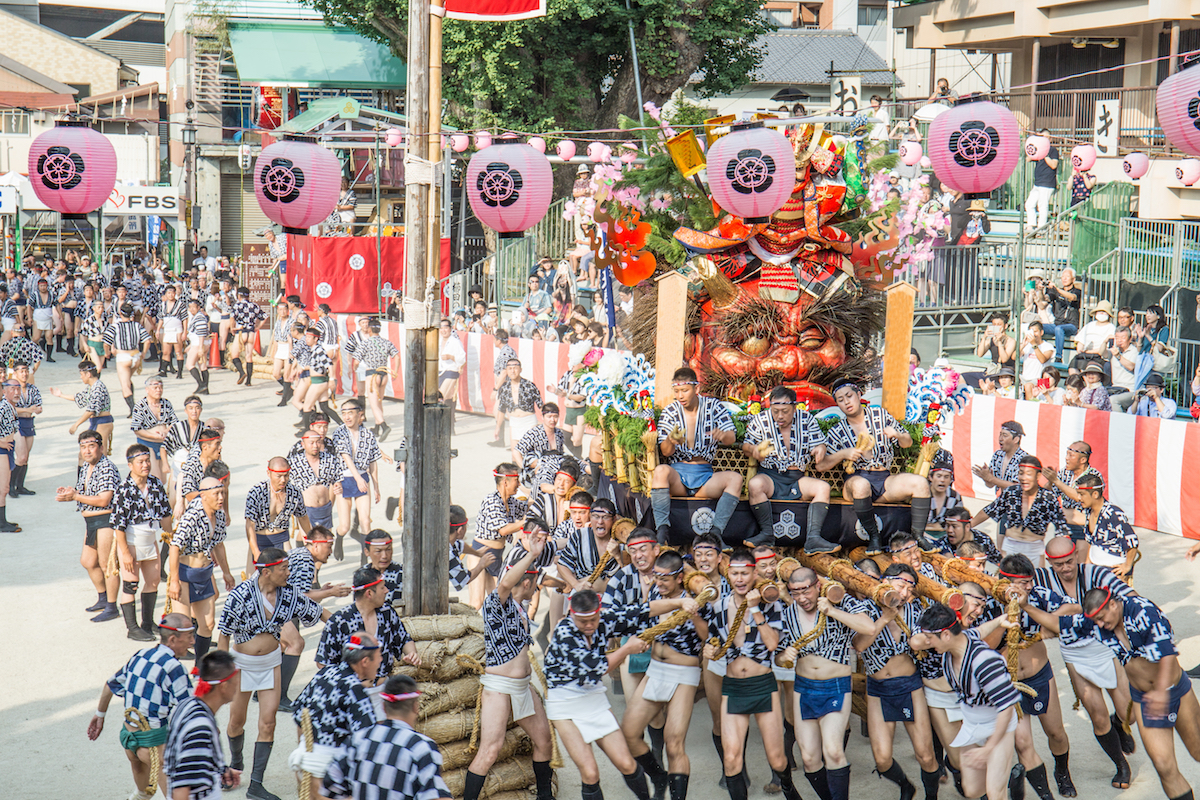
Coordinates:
(305,777)
(738,618)
(678,617)
(472,663)
(556,761)
(817,629)
(138,720)
(903,626)
(1017,641)
(956,562)
(599,570)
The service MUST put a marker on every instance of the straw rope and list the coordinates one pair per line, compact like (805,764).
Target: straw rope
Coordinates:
(556,761)
(306,778)
(1017,641)
(138,720)
(473,664)
(817,629)
(678,617)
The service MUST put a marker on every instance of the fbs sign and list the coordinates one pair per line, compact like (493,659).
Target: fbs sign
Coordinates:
(143,201)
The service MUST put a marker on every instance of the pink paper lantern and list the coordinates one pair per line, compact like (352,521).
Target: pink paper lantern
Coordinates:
(926,163)
(1187,171)
(629,153)
(1178,104)
(72,168)
(394,137)
(483,139)
(538,143)
(911,153)
(297,183)
(565,149)
(974,147)
(599,152)
(1083,157)
(1136,165)
(459,142)
(1037,147)
(509,186)
(751,171)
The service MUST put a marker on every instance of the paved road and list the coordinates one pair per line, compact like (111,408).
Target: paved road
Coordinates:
(54,660)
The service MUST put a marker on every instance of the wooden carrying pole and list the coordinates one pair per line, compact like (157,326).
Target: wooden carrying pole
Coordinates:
(844,572)
(901,300)
(926,587)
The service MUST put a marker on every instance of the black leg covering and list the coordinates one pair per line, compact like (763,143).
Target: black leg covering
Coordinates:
(545,780)
(679,786)
(472,785)
(149,601)
(1111,744)
(256,790)
(1016,782)
(1040,783)
(895,774)
(1185,796)
(658,742)
(236,746)
(287,671)
(203,643)
(864,510)
(931,781)
(839,783)
(636,781)
(736,785)
(819,781)
(654,771)
(1128,745)
(789,788)
(591,791)
(919,518)
(1062,775)
(789,743)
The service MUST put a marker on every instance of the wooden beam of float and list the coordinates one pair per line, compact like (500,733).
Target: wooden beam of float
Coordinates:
(669,335)
(901,300)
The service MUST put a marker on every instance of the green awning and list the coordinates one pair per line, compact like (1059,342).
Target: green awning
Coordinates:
(304,55)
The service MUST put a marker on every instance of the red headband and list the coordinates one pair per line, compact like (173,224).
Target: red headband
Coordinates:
(560,472)
(366,585)
(310,540)
(398,698)
(163,624)
(272,564)
(280,471)
(1099,608)
(1067,554)
(1004,574)
(203,687)
(640,539)
(763,558)
(504,474)
(581,507)
(216,438)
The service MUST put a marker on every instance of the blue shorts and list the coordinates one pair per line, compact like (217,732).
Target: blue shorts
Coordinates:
(26,427)
(11,453)
(821,698)
(350,487)
(274,540)
(877,478)
(155,447)
(1178,691)
(321,515)
(96,422)
(1040,703)
(787,484)
(693,476)
(199,582)
(895,696)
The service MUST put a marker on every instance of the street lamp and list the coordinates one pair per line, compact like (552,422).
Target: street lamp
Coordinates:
(188,135)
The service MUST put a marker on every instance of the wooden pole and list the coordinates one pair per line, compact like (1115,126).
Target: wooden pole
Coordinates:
(668,343)
(901,300)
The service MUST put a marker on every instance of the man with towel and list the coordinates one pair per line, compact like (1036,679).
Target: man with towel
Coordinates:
(1092,666)
(271,505)
(254,614)
(822,685)
(576,699)
(507,672)
(317,474)
(688,434)
(749,688)
(198,544)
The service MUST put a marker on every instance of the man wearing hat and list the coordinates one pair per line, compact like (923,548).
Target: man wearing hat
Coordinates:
(1151,402)
(1092,341)
(1001,471)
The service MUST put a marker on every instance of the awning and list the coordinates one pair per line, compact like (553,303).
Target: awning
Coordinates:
(306,55)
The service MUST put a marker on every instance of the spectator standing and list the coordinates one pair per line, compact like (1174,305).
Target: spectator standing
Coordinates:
(1151,402)
(1045,181)
(907,132)
(1082,184)
(942,93)
(883,121)
(968,225)
(1065,304)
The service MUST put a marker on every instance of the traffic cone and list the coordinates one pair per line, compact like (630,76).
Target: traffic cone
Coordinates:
(214,353)
(258,351)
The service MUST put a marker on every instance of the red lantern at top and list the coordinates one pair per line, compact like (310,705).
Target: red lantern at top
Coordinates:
(1178,104)
(974,147)
(297,183)
(509,185)
(752,171)
(72,168)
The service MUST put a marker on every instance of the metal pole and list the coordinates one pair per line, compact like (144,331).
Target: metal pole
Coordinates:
(378,227)
(637,70)
(1174,47)
(1019,278)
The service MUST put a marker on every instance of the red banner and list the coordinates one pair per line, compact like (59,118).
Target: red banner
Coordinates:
(341,270)
(495,10)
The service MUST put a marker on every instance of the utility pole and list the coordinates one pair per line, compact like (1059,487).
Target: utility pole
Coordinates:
(426,421)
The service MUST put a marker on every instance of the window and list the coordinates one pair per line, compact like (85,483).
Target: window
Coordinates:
(782,17)
(82,90)
(869,16)
(14,122)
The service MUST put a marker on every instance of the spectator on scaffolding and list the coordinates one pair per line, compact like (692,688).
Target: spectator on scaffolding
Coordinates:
(907,132)
(1048,388)
(1154,356)
(1045,181)
(1036,305)
(1122,362)
(1125,317)
(1094,339)
(995,342)
(942,93)
(1151,400)
(1065,301)
(537,305)
(968,225)
(1082,184)
(1091,391)
(1035,353)
(882,121)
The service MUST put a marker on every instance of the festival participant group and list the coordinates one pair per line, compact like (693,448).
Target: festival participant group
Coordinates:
(662,614)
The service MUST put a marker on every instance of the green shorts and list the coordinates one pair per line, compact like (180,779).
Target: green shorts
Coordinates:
(132,740)
(318,379)
(574,415)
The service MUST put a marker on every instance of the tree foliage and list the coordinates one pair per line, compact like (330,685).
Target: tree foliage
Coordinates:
(572,70)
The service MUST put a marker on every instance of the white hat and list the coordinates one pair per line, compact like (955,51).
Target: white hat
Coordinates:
(583,168)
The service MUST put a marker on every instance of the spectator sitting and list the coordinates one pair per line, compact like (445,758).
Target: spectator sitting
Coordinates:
(1047,389)
(1034,354)
(1153,354)
(537,305)
(1092,392)
(1065,302)
(1150,400)
(995,342)
(1121,365)
(1093,339)
(1006,378)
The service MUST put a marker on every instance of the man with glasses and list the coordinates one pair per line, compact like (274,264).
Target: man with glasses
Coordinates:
(689,432)
(821,700)
(1076,464)
(673,671)
(359,450)
(1092,667)
(1034,671)
(895,692)
(1001,472)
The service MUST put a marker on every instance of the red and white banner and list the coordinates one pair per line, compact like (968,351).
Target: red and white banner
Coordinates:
(1143,460)
(541,362)
(495,10)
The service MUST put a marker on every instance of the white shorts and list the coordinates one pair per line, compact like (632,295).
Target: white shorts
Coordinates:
(587,709)
(979,723)
(195,340)
(717,667)
(936,698)
(517,689)
(283,350)
(1093,661)
(125,358)
(521,426)
(172,329)
(258,672)
(315,763)
(783,673)
(43,318)
(143,541)
(9,323)
(663,679)
(1033,550)
(1102,558)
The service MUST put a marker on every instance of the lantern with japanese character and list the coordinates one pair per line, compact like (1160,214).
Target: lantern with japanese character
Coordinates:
(1178,104)
(1083,157)
(1037,147)
(297,183)
(72,168)
(1136,165)
(974,147)
(752,171)
(1187,171)
(911,153)
(509,186)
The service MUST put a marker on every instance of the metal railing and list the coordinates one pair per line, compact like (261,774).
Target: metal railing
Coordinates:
(1160,252)
(555,235)
(977,276)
